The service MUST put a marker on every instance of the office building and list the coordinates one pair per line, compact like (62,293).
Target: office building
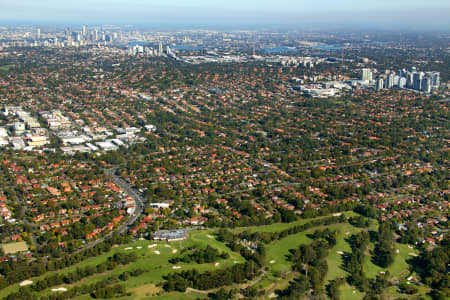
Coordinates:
(160,49)
(396,80)
(409,80)
(390,81)
(402,82)
(435,79)
(366,75)
(426,84)
(380,84)
(417,81)
(38,33)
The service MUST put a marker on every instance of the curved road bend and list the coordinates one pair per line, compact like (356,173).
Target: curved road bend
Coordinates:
(139,207)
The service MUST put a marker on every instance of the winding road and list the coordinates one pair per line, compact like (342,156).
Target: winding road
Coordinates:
(139,207)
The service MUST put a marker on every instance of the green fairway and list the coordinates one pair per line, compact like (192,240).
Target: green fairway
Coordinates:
(398,270)
(335,258)
(350,293)
(277,252)
(152,257)
(282,226)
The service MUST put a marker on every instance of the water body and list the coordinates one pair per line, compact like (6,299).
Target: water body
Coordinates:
(278,49)
(286,49)
(186,47)
(136,43)
(326,47)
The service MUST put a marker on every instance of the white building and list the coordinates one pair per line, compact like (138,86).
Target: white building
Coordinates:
(3,132)
(366,74)
(3,142)
(106,146)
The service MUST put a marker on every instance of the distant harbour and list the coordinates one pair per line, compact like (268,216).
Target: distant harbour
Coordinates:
(292,49)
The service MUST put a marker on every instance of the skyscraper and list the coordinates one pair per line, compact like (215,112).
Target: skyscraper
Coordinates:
(390,81)
(435,79)
(38,33)
(426,84)
(380,84)
(417,81)
(402,82)
(160,49)
(84,31)
(366,75)
(409,80)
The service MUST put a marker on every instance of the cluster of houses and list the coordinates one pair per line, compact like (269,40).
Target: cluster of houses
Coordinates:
(48,188)
(5,212)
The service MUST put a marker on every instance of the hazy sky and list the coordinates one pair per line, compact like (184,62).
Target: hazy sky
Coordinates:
(414,14)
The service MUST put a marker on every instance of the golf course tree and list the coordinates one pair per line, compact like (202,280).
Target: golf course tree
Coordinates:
(333,288)
(434,266)
(310,262)
(384,247)
(200,256)
(354,262)
(16,271)
(238,273)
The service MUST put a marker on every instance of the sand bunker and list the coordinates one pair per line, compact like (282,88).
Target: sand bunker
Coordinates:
(176,267)
(174,251)
(61,289)
(413,254)
(152,246)
(157,252)
(272,261)
(340,252)
(138,247)
(128,248)
(26,282)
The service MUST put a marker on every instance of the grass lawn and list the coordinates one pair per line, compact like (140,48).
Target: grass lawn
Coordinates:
(144,291)
(165,296)
(398,270)
(334,259)
(277,256)
(277,252)
(156,265)
(155,262)
(282,226)
(393,293)
(350,293)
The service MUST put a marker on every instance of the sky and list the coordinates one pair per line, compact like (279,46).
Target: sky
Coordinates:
(388,14)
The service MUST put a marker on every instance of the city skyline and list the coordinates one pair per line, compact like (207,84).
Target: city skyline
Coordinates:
(367,14)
